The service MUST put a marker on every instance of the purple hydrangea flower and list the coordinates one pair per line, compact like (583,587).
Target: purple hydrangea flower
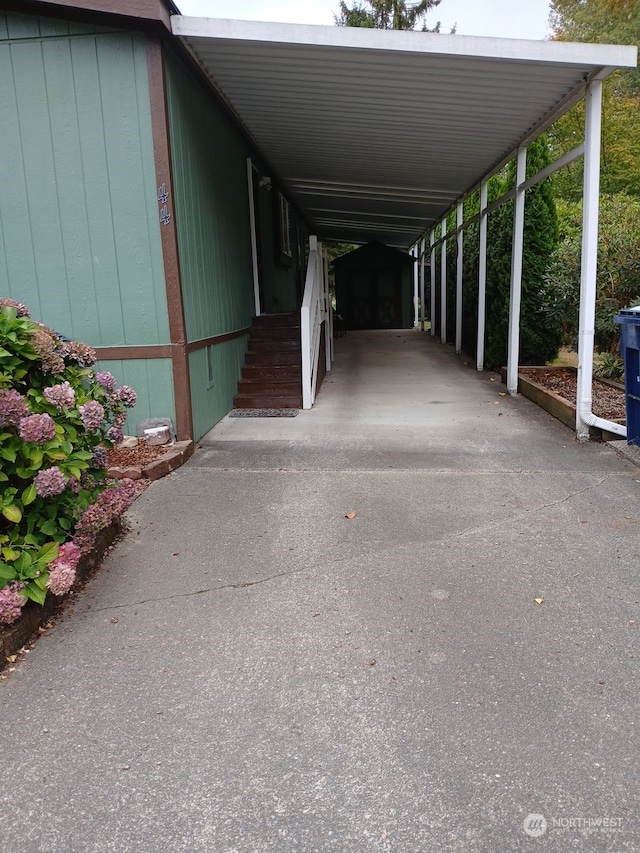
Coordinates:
(50,482)
(100,459)
(37,428)
(120,419)
(127,396)
(92,415)
(74,485)
(45,343)
(11,603)
(115,434)
(106,379)
(62,396)
(13,407)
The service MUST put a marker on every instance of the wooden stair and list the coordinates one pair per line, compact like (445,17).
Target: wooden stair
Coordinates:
(272,372)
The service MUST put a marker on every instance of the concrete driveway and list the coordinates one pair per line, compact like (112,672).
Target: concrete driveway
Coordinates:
(252,671)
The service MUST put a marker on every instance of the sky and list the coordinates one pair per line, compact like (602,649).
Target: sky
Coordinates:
(503,18)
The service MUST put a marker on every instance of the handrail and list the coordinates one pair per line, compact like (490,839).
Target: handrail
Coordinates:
(315,310)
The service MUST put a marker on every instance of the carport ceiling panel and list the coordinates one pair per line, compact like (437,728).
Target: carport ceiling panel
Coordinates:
(338,106)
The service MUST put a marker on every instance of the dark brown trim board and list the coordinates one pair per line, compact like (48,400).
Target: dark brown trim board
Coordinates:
(194,346)
(175,307)
(121,12)
(126,353)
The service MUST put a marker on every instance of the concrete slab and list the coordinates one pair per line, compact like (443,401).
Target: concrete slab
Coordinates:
(252,671)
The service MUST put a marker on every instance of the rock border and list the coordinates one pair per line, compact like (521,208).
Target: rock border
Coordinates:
(174,458)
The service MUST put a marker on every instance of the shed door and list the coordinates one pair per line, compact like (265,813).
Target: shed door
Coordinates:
(375,299)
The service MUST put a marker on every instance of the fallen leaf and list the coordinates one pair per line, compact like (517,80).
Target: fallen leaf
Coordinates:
(538,600)
(12,658)
(371,662)
(350,515)
(502,393)
(496,402)
(114,621)
(176,554)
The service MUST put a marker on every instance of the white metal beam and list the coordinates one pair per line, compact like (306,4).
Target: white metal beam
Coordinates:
(432,294)
(513,351)
(422,261)
(482,277)
(443,283)
(254,238)
(459,270)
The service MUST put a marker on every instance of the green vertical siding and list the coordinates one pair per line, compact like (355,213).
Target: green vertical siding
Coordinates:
(212,401)
(211,208)
(79,230)
(152,380)
(15,25)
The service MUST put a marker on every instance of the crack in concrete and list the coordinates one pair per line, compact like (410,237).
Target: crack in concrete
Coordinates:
(462,534)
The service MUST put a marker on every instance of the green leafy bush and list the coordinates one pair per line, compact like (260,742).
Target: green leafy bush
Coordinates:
(57,417)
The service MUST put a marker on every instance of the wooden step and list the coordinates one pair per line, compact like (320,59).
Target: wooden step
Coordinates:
(273,386)
(273,359)
(288,319)
(288,372)
(274,346)
(275,333)
(267,401)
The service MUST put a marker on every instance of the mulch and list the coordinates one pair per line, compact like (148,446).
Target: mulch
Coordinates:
(608,400)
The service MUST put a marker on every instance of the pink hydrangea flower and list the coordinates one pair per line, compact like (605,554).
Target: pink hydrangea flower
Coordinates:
(62,570)
(50,482)
(13,407)
(37,428)
(92,415)
(11,603)
(62,396)
(21,310)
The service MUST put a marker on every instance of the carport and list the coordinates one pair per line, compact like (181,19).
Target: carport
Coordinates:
(378,135)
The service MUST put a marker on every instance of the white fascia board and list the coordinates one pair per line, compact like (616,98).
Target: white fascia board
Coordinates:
(605,56)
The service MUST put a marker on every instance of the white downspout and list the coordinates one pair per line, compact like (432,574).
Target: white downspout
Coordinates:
(416,316)
(590,212)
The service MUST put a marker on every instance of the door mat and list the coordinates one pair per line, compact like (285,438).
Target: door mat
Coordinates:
(263,413)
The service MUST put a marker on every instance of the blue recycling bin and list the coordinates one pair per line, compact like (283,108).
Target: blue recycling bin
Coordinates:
(629,322)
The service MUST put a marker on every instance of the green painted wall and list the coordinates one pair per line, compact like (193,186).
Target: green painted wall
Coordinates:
(213,395)
(79,230)
(152,379)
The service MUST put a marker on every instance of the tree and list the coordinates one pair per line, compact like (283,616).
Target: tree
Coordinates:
(386,14)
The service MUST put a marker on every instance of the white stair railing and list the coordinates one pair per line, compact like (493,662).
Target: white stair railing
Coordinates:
(316,308)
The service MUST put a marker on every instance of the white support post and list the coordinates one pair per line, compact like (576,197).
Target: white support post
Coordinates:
(443,283)
(482,276)
(459,260)
(254,238)
(415,252)
(328,321)
(423,246)
(590,216)
(432,295)
(513,351)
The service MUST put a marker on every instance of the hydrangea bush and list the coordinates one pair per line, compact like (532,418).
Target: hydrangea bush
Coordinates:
(57,417)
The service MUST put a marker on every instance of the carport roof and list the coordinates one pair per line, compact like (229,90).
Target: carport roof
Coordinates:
(375,134)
